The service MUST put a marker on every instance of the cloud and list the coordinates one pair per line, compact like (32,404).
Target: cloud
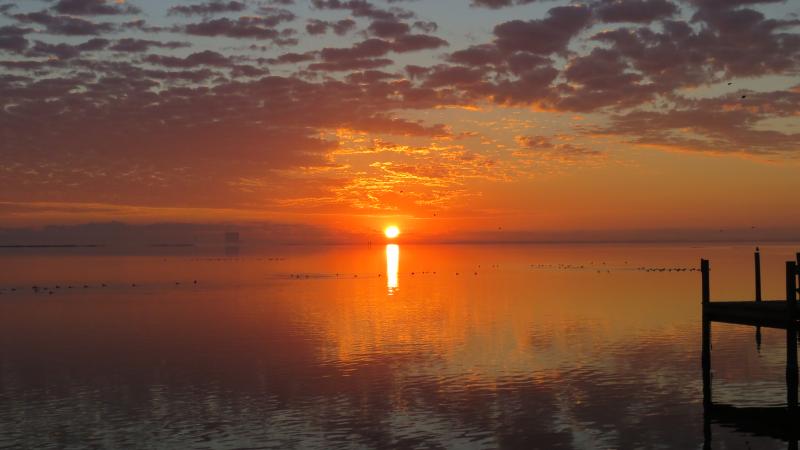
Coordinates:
(186,135)
(211,121)
(246,27)
(435,176)
(368,48)
(315,27)
(15,44)
(639,11)
(363,8)
(204,58)
(370,76)
(728,4)
(388,28)
(208,8)
(425,26)
(172,76)
(66,51)
(496,4)
(416,42)
(347,65)
(453,76)
(602,78)
(732,43)
(339,27)
(93,8)
(478,55)
(293,58)
(134,45)
(369,53)
(722,125)
(66,25)
(543,36)
(12,38)
(555,149)
(635,66)
(344,26)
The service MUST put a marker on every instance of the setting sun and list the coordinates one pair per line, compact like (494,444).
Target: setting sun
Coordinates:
(391,232)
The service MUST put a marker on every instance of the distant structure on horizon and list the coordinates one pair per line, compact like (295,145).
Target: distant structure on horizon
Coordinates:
(232,242)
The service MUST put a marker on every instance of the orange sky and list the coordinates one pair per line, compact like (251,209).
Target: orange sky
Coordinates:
(448,119)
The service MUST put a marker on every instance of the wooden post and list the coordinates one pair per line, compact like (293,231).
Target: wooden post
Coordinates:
(791,369)
(706,350)
(704,270)
(757,267)
(707,430)
(757,258)
(706,365)
(791,338)
(791,288)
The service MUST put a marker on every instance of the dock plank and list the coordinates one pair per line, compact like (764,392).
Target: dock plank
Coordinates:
(769,314)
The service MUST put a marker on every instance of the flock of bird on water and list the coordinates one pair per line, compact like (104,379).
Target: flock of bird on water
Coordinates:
(602,267)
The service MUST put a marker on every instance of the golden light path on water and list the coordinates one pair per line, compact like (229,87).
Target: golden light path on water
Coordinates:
(392,266)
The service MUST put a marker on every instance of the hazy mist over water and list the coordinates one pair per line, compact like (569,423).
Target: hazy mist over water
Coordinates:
(491,346)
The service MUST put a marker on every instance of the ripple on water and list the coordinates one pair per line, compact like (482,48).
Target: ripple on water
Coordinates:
(513,358)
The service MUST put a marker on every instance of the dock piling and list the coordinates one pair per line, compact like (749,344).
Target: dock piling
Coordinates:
(704,270)
(706,364)
(757,267)
(791,339)
(757,260)
(791,288)
(791,370)
(706,350)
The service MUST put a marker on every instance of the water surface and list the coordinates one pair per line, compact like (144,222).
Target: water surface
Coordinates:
(475,347)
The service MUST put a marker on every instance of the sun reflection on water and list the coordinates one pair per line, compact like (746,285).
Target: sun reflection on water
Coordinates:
(392,266)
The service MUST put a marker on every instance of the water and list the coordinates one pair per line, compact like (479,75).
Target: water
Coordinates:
(474,347)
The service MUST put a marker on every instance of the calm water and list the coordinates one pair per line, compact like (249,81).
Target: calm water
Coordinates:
(474,347)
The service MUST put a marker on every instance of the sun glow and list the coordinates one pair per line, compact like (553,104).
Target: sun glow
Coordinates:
(391,232)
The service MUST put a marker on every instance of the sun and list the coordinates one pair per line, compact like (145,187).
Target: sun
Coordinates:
(391,232)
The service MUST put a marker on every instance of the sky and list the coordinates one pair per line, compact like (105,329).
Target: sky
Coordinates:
(507,119)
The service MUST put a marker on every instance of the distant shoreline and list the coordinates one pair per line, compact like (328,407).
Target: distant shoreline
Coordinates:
(54,246)
(422,243)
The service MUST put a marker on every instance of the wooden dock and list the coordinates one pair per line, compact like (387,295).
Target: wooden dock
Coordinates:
(768,314)
(757,312)
(778,422)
